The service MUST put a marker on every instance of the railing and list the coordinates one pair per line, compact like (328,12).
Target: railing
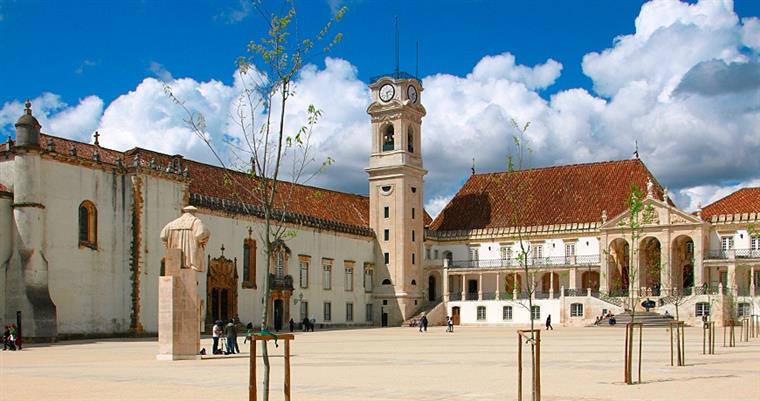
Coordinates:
(706,290)
(541,295)
(455,296)
(472,296)
(513,263)
(619,293)
(733,253)
(489,296)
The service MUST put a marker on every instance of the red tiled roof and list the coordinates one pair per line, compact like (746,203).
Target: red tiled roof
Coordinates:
(745,200)
(553,195)
(3,188)
(84,150)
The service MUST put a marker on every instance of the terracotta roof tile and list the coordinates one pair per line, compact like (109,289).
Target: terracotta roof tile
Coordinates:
(557,195)
(83,150)
(745,200)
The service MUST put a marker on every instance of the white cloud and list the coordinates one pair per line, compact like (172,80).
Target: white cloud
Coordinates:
(751,32)
(234,15)
(703,195)
(56,117)
(676,86)
(160,71)
(434,205)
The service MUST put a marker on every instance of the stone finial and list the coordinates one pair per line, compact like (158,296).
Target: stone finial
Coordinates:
(9,143)
(699,210)
(27,128)
(50,145)
(665,194)
(96,156)
(604,216)
(152,163)
(185,173)
(73,150)
(650,188)
(97,135)
(168,168)
(118,162)
(28,107)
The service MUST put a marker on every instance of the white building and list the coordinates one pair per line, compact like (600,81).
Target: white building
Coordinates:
(81,253)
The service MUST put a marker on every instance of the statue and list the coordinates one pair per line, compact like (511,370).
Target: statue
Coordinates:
(188,234)
(650,187)
(179,316)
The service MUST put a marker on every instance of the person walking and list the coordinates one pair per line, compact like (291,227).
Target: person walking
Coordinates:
(549,323)
(216,331)
(292,325)
(424,323)
(312,322)
(450,323)
(231,332)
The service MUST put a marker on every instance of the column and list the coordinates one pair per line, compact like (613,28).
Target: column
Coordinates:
(498,285)
(445,281)
(515,288)
(480,287)
(699,272)
(551,284)
(573,284)
(604,269)
(732,285)
(464,287)
(666,266)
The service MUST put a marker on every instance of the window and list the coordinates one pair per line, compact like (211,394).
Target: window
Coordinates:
(538,252)
(349,311)
(279,264)
(412,235)
(427,253)
(368,273)
(387,281)
(505,251)
(368,312)
(327,311)
(388,137)
(349,276)
(326,274)
(570,253)
(387,258)
(412,258)
(304,310)
(481,313)
(410,140)
(743,310)
(754,246)
(506,313)
(702,309)
(435,254)
(386,234)
(88,225)
(727,243)
(386,212)
(535,312)
(412,212)
(576,310)
(303,262)
(474,256)
(249,263)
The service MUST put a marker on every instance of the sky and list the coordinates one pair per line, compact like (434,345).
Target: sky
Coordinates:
(593,78)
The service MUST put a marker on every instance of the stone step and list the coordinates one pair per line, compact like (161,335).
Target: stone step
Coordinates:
(648,319)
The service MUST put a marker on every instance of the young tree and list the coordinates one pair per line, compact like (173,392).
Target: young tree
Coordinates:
(275,155)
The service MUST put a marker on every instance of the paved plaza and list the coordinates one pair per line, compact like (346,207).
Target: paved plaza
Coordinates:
(474,363)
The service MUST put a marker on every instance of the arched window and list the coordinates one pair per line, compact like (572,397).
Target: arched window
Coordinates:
(388,137)
(410,140)
(249,263)
(387,282)
(88,225)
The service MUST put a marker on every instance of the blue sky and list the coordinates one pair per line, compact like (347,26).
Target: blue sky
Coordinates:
(555,63)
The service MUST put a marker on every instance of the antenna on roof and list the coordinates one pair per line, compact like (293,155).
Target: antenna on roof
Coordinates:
(636,149)
(417,60)
(397,48)
(473,166)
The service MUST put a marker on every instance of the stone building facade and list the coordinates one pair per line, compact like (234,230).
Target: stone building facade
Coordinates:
(81,254)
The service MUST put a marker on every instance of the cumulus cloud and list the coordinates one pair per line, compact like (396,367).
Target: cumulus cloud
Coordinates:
(160,71)
(684,86)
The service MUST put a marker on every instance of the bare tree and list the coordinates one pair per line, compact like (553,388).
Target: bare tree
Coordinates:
(273,156)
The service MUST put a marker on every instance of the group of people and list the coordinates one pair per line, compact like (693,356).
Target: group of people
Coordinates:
(228,331)
(306,325)
(599,319)
(11,340)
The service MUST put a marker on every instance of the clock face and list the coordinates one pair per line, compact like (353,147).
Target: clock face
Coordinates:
(411,92)
(387,92)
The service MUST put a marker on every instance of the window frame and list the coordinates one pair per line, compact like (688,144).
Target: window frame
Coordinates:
(576,309)
(348,276)
(701,309)
(327,311)
(533,314)
(349,311)
(327,274)
(88,238)
(507,313)
(481,313)
(303,270)
(249,265)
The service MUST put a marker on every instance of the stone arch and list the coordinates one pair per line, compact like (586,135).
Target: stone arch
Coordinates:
(682,257)
(388,137)
(512,282)
(433,286)
(88,224)
(590,279)
(410,139)
(618,262)
(650,265)
(550,283)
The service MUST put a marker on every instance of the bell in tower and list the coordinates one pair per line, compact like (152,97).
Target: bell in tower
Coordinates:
(396,193)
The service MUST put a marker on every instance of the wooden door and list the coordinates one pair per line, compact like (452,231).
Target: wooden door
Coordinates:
(455,315)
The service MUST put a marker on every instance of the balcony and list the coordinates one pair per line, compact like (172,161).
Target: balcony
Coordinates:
(720,254)
(512,263)
(280,283)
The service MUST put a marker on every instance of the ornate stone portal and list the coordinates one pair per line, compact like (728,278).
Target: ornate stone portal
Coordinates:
(179,306)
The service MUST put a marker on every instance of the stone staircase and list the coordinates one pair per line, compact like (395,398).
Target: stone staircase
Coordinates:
(649,319)
(434,310)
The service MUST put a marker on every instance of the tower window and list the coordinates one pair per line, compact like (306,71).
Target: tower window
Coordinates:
(412,235)
(249,263)
(387,257)
(410,140)
(386,212)
(88,225)
(386,234)
(412,212)
(388,138)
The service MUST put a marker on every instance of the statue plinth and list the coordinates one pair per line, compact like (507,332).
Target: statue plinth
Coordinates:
(178,318)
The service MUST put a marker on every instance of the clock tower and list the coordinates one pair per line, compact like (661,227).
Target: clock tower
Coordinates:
(396,193)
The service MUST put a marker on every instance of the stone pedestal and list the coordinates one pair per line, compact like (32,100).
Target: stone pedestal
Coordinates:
(178,311)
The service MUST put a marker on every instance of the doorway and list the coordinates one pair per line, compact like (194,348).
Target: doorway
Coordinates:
(384,319)
(221,290)
(472,289)
(455,315)
(431,288)
(278,313)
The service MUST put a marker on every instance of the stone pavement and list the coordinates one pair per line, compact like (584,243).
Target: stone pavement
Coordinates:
(388,364)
